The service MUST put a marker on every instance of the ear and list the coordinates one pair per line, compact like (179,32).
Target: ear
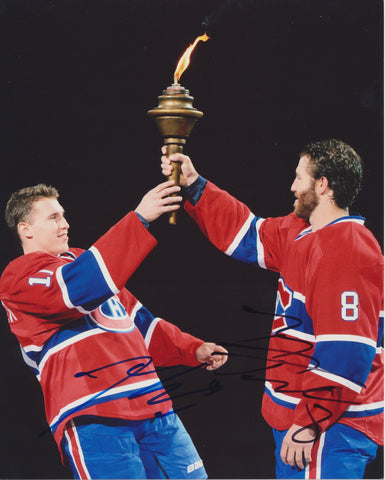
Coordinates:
(322,185)
(24,230)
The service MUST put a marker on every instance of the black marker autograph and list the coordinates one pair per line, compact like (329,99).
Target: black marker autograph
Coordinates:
(170,386)
(162,389)
(140,369)
(283,357)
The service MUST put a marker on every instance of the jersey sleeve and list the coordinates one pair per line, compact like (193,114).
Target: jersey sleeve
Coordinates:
(344,300)
(166,343)
(50,286)
(171,346)
(235,230)
(104,269)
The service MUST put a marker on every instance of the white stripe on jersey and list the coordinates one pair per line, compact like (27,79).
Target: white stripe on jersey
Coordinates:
(335,378)
(31,363)
(137,307)
(347,338)
(282,396)
(299,297)
(104,269)
(259,246)
(64,291)
(105,393)
(234,244)
(66,343)
(150,331)
(295,401)
(307,337)
(366,406)
(360,221)
(33,348)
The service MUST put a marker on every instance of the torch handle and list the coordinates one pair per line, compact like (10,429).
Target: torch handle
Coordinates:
(170,149)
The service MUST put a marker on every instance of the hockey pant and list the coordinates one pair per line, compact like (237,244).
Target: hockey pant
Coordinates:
(101,448)
(340,452)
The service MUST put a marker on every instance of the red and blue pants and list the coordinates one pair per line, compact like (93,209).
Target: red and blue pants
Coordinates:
(101,448)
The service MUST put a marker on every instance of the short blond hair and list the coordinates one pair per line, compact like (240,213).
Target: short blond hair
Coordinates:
(20,204)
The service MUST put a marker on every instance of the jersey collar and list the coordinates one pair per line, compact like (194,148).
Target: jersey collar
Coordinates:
(69,255)
(347,219)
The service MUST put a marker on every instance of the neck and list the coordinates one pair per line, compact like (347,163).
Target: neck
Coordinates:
(31,249)
(322,215)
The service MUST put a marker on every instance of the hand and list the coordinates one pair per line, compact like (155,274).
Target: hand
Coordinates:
(157,201)
(188,172)
(296,453)
(204,354)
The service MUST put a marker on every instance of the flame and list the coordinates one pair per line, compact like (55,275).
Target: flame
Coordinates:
(184,60)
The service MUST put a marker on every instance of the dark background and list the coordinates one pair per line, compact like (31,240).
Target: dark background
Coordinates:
(77,78)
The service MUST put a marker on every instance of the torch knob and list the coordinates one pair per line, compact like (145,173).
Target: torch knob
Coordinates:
(175,115)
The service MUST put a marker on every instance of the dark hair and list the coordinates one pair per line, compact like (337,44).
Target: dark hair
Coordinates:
(20,204)
(340,164)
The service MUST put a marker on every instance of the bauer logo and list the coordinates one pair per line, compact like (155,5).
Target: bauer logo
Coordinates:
(194,466)
(112,316)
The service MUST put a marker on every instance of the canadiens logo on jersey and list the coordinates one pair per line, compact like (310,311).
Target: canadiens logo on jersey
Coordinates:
(112,316)
(283,302)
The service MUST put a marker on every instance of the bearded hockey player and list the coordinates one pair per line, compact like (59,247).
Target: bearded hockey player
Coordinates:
(324,382)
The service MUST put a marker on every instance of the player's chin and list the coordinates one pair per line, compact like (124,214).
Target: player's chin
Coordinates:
(63,247)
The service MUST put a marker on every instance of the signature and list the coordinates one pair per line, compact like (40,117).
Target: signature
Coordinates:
(170,384)
(250,349)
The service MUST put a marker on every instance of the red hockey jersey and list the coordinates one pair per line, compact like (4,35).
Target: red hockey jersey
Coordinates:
(90,342)
(325,360)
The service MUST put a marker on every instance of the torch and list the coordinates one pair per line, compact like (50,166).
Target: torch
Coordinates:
(175,115)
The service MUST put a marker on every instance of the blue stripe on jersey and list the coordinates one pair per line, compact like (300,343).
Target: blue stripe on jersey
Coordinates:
(296,318)
(290,305)
(143,320)
(364,413)
(106,396)
(69,331)
(380,331)
(246,250)
(31,358)
(335,357)
(279,400)
(85,282)
(34,357)
(299,318)
(67,334)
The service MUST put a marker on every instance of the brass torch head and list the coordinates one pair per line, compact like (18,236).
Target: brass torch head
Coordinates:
(175,117)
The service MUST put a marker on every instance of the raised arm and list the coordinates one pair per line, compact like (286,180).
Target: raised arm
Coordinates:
(50,285)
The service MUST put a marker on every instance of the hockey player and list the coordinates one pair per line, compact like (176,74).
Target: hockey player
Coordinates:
(94,347)
(324,388)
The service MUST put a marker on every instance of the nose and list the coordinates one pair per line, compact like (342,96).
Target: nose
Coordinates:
(64,224)
(293,188)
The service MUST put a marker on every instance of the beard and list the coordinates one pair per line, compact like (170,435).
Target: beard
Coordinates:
(306,203)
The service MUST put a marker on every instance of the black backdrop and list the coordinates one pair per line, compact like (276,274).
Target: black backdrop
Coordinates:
(77,78)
